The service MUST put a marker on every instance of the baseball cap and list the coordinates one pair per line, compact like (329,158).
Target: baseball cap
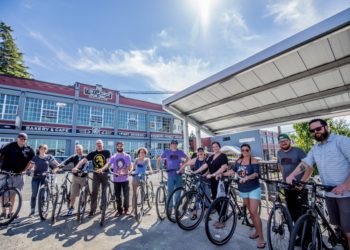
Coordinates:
(22,135)
(283,136)
(174,142)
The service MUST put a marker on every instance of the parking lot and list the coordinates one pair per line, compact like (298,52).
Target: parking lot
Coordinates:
(117,233)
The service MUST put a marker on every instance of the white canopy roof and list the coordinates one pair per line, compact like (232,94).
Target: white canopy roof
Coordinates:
(301,77)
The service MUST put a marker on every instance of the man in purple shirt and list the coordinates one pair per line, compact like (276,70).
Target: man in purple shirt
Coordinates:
(173,158)
(121,163)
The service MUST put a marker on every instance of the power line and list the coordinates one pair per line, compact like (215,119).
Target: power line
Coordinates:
(146,92)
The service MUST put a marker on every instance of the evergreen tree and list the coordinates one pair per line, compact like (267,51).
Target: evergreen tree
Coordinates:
(11,59)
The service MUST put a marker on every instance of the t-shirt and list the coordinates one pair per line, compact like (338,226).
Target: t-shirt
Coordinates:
(173,159)
(215,165)
(290,160)
(16,158)
(74,159)
(43,164)
(98,158)
(245,170)
(120,164)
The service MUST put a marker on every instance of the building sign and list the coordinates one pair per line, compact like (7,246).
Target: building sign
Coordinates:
(47,129)
(95,131)
(132,134)
(166,136)
(7,126)
(98,93)
(245,140)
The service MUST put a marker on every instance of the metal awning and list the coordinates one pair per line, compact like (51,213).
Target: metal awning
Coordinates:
(304,76)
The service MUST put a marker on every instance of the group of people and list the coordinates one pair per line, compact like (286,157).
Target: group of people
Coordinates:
(331,154)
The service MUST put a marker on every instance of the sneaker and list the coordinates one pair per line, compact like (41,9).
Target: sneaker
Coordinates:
(118,214)
(126,212)
(91,214)
(70,211)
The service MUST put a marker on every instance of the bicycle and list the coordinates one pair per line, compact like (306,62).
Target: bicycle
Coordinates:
(228,210)
(84,196)
(175,195)
(191,205)
(63,197)
(144,193)
(161,197)
(9,210)
(309,226)
(279,223)
(48,194)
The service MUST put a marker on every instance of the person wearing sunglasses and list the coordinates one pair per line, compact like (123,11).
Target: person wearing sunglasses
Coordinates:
(248,170)
(288,158)
(331,154)
(15,157)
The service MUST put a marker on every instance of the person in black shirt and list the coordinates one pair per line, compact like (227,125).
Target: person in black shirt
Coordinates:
(99,157)
(16,157)
(78,178)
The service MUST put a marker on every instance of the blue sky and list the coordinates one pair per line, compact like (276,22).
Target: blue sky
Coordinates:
(151,44)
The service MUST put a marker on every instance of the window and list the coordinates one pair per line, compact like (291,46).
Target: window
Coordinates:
(95,116)
(163,124)
(48,111)
(55,147)
(90,145)
(8,106)
(131,147)
(5,140)
(132,120)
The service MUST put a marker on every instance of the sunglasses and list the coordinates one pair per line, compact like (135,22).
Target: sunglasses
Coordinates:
(318,129)
(245,150)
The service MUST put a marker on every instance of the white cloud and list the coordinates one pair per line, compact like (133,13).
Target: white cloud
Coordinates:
(235,29)
(172,74)
(37,61)
(296,14)
(164,39)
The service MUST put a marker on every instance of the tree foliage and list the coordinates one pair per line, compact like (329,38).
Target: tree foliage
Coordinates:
(11,59)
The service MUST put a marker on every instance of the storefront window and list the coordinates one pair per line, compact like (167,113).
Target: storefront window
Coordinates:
(8,106)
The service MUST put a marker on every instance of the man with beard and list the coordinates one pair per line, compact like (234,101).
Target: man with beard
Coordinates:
(332,156)
(288,158)
(121,163)
(99,158)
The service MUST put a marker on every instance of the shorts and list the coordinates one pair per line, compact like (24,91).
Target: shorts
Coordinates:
(13,181)
(77,185)
(254,194)
(339,212)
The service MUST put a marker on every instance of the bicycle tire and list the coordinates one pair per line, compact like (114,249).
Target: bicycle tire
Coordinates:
(280,231)
(139,203)
(161,200)
(224,217)
(186,205)
(150,194)
(55,207)
(4,204)
(305,223)
(82,205)
(103,208)
(44,202)
(169,209)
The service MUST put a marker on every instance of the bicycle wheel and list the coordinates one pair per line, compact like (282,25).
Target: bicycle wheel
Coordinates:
(11,209)
(82,205)
(150,194)
(110,196)
(44,202)
(172,201)
(56,206)
(220,225)
(103,208)
(307,230)
(279,228)
(62,198)
(161,202)
(189,210)
(139,200)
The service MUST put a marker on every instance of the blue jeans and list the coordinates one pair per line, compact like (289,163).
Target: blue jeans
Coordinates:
(36,183)
(173,183)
